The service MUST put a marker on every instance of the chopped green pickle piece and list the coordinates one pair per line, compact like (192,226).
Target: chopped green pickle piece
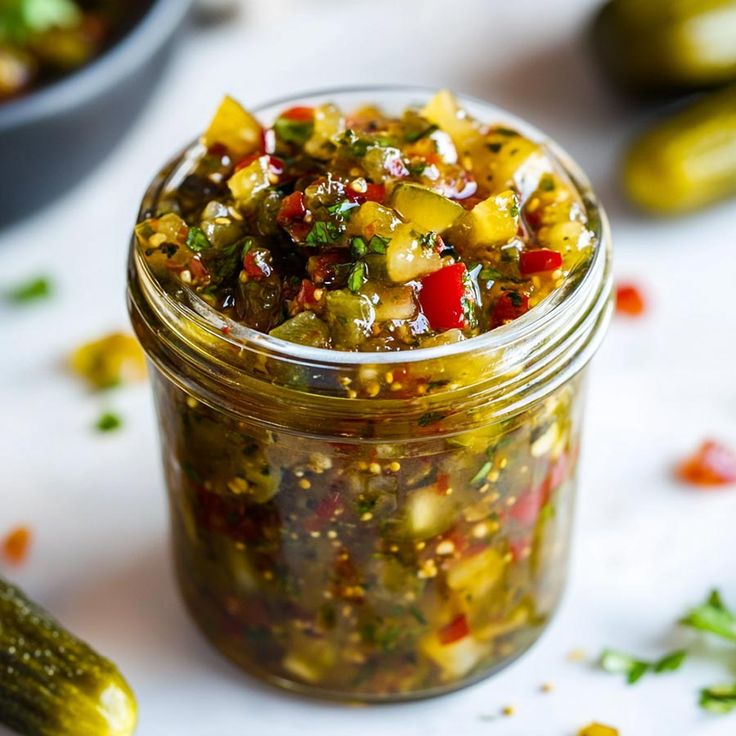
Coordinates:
(427,209)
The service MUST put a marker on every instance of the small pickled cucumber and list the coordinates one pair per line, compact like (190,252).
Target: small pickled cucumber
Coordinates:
(688,161)
(424,208)
(663,46)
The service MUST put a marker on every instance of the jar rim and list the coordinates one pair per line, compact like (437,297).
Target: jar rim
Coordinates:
(538,319)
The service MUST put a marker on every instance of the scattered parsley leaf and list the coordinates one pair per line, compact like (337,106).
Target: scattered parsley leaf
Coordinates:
(480,476)
(358,247)
(417,169)
(378,244)
(108,422)
(621,663)
(323,233)
(357,277)
(718,698)
(712,617)
(342,208)
(514,210)
(197,240)
(417,135)
(30,291)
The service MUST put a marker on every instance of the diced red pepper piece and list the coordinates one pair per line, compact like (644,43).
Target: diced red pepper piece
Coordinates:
(292,208)
(16,545)
(509,306)
(442,297)
(539,261)
(712,464)
(520,549)
(373,193)
(301,114)
(276,165)
(307,296)
(322,268)
(454,631)
(256,263)
(198,270)
(630,301)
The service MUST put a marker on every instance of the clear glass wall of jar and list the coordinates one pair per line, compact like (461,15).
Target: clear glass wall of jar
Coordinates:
(372,526)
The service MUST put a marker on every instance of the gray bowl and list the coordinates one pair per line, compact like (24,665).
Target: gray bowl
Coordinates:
(52,137)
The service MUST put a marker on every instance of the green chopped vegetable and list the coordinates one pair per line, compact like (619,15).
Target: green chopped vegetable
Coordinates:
(323,233)
(108,422)
(617,662)
(718,698)
(197,240)
(358,276)
(30,291)
(712,617)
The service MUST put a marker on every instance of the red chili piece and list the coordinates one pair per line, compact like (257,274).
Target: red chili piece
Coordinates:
(373,193)
(442,296)
(299,114)
(292,208)
(629,301)
(256,265)
(539,261)
(454,631)
(712,465)
(509,306)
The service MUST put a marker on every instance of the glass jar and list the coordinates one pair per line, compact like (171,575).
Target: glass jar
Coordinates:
(372,526)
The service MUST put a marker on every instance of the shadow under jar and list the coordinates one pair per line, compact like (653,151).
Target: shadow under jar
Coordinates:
(372,526)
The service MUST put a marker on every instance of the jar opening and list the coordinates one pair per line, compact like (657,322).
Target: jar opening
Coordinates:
(546,345)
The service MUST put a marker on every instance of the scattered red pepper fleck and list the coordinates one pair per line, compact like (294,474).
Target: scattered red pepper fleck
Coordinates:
(442,296)
(629,301)
(508,307)
(299,114)
(454,631)
(373,193)
(712,464)
(16,545)
(539,261)
(292,208)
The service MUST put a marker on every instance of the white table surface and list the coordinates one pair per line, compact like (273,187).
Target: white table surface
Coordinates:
(646,548)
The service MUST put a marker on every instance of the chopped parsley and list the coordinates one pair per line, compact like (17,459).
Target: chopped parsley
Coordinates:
(358,276)
(377,244)
(712,617)
(620,663)
(514,210)
(547,184)
(108,422)
(416,135)
(342,208)
(197,240)
(323,233)
(718,698)
(33,290)
(417,168)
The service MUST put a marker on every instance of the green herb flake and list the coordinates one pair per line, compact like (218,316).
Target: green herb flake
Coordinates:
(30,291)
(358,276)
(617,662)
(417,168)
(514,210)
(480,476)
(719,699)
(712,617)
(323,233)
(378,245)
(515,298)
(358,247)
(108,422)
(417,135)
(197,241)
(342,208)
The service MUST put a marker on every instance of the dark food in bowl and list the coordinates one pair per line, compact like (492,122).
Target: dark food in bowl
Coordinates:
(41,42)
